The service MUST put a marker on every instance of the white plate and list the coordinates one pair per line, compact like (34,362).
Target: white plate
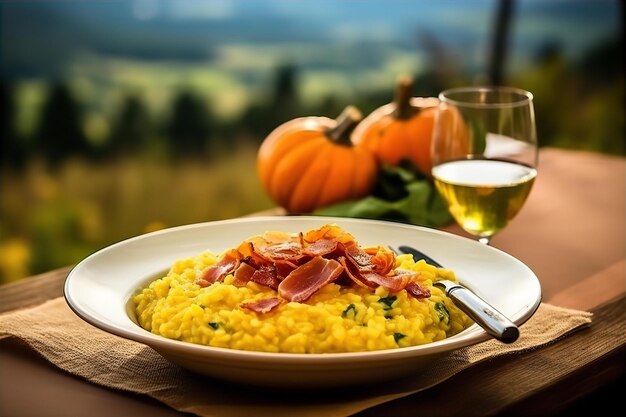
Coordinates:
(100,287)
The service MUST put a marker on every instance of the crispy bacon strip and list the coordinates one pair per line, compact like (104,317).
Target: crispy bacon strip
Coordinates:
(261,274)
(298,265)
(372,270)
(382,259)
(245,248)
(262,306)
(417,290)
(272,246)
(360,258)
(266,275)
(321,247)
(253,256)
(216,272)
(284,268)
(352,271)
(414,287)
(328,231)
(393,283)
(305,280)
(243,274)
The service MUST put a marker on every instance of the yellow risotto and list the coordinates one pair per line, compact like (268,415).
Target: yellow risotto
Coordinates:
(334,319)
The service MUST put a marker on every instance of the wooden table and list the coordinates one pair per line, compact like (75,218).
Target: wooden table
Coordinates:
(571,234)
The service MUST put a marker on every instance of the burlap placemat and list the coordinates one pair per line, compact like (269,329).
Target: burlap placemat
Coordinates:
(62,338)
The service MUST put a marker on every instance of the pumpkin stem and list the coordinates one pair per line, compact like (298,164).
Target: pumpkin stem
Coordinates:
(402,98)
(346,122)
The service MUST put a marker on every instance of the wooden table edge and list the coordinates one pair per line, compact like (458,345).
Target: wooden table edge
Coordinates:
(563,382)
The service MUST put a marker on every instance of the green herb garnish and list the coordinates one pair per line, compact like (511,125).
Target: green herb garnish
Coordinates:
(350,307)
(387,302)
(397,336)
(442,312)
(214,325)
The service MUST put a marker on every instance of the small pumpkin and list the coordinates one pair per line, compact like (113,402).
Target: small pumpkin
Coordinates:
(401,129)
(310,162)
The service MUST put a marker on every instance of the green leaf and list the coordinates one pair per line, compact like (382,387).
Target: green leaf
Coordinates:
(391,180)
(401,194)
(479,137)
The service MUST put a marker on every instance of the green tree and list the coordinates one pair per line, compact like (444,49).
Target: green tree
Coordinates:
(257,121)
(285,100)
(60,133)
(330,106)
(283,104)
(133,127)
(12,150)
(189,127)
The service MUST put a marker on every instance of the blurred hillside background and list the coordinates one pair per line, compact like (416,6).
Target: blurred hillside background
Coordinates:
(122,117)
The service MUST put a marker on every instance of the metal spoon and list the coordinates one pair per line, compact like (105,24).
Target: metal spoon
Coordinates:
(486,316)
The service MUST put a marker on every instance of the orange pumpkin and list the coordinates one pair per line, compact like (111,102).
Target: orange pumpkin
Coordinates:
(310,162)
(454,134)
(401,129)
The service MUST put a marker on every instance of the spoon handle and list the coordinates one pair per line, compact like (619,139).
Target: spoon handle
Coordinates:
(485,315)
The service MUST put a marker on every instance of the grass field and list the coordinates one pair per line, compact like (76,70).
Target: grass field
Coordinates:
(49,220)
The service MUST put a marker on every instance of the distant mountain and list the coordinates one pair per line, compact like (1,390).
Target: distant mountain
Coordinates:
(40,38)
